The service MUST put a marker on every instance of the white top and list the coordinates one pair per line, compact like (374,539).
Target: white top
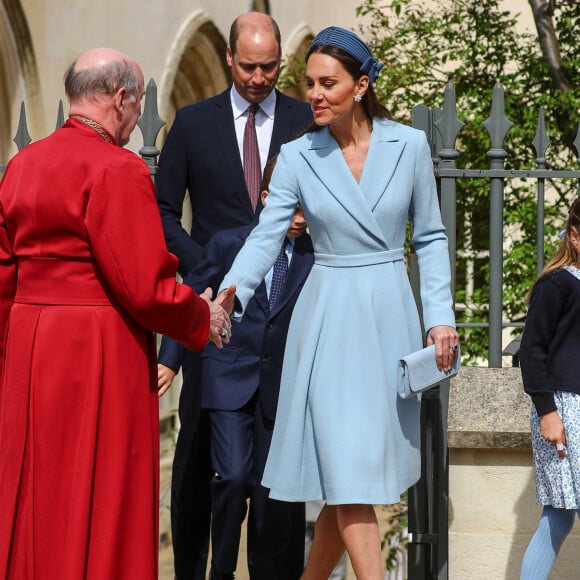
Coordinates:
(573,270)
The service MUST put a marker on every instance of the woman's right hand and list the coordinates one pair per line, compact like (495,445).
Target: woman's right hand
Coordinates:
(552,430)
(446,341)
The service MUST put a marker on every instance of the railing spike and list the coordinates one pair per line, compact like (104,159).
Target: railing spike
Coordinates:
(449,125)
(60,115)
(150,124)
(421,118)
(577,143)
(541,140)
(497,124)
(22,137)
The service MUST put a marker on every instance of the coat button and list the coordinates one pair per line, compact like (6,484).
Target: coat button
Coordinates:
(269,326)
(265,358)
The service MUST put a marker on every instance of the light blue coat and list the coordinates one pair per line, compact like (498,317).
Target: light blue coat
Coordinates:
(342,434)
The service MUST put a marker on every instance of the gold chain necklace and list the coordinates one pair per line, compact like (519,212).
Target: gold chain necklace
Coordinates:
(94,125)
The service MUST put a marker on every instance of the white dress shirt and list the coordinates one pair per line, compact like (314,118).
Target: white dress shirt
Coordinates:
(264,122)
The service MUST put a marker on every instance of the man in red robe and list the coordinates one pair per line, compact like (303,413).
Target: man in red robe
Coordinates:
(85,277)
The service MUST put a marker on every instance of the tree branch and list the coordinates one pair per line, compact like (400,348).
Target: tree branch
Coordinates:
(543,11)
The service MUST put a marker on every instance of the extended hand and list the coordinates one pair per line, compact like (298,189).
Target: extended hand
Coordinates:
(226,299)
(446,341)
(220,327)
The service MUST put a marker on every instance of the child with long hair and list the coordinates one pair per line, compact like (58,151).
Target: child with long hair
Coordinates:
(549,356)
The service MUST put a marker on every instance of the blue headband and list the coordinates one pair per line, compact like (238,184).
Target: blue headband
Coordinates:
(353,45)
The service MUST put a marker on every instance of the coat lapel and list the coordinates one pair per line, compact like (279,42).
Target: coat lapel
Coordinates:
(385,151)
(326,160)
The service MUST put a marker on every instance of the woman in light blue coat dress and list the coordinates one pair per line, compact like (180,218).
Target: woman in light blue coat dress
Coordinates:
(341,433)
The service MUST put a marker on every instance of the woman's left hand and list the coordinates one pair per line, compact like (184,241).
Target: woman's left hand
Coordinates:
(446,341)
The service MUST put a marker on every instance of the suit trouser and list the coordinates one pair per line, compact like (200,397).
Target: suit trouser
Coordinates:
(239,443)
(190,483)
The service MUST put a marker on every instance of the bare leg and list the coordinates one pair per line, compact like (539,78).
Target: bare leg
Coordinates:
(352,526)
(327,546)
(360,533)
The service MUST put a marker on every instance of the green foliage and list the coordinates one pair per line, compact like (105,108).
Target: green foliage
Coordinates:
(396,539)
(292,72)
(475,44)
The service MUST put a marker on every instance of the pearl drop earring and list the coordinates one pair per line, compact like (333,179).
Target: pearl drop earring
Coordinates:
(357,98)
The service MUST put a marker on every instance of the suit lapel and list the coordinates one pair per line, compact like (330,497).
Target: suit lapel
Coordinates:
(225,131)
(284,124)
(261,296)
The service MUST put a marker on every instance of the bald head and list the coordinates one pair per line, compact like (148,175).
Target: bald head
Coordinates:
(106,86)
(102,72)
(254,24)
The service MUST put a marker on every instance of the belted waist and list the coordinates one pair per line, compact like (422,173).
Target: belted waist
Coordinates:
(59,281)
(354,260)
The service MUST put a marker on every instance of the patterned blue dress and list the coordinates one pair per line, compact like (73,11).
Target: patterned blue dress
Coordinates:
(558,479)
(341,432)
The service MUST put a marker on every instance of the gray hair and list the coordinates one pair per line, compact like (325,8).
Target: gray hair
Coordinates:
(105,79)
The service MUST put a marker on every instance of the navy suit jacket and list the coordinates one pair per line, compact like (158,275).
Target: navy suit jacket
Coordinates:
(202,156)
(253,358)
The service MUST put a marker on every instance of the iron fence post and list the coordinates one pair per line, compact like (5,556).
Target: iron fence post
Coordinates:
(428,551)
(497,126)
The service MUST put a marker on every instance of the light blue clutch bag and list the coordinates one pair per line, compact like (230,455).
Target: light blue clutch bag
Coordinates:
(418,372)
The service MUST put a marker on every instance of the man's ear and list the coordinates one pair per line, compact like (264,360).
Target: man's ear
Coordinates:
(263,197)
(119,98)
(229,56)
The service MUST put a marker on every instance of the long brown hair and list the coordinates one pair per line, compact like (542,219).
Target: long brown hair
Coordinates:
(370,102)
(566,253)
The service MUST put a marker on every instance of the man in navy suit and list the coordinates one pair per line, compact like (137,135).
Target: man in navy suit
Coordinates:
(239,388)
(203,155)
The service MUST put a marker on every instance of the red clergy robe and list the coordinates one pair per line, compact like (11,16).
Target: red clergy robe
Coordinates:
(85,277)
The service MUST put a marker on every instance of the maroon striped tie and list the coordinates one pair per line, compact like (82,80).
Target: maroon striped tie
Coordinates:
(252,167)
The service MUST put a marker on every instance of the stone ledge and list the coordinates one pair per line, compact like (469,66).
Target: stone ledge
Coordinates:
(488,408)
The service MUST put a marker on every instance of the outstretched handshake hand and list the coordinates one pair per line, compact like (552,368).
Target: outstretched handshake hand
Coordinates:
(220,327)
